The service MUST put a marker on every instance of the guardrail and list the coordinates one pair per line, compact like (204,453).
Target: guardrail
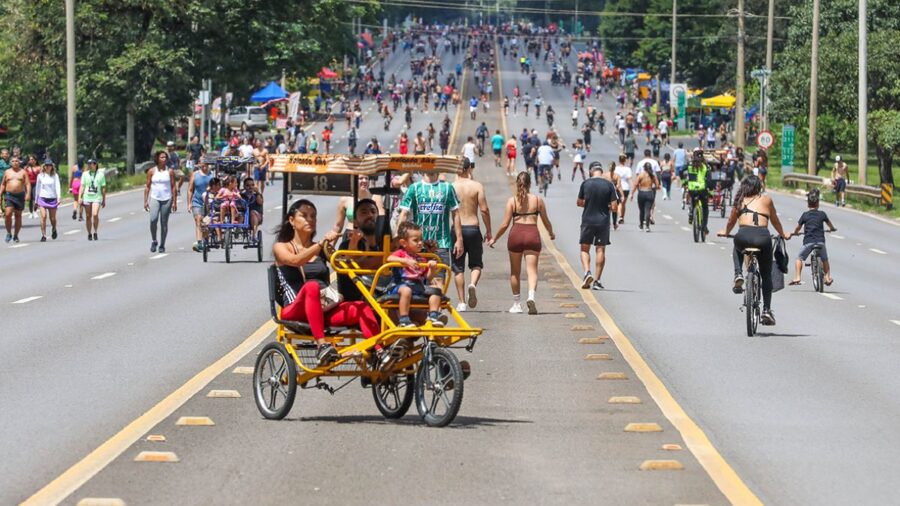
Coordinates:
(871,192)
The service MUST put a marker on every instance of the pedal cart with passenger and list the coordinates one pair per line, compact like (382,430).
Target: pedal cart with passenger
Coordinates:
(226,222)
(428,372)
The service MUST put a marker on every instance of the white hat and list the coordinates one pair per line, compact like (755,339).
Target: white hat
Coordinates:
(170,143)
(837,158)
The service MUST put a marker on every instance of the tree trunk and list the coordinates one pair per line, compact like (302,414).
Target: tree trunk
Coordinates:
(885,167)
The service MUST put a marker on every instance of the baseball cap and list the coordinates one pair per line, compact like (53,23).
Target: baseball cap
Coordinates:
(92,161)
(170,144)
(837,158)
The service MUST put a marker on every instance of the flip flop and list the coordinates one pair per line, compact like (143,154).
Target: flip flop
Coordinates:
(828,283)
(795,283)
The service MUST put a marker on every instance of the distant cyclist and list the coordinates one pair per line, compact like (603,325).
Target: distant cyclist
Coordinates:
(697,187)
(813,223)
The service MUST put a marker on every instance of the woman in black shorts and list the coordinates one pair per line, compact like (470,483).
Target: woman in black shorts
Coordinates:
(522,211)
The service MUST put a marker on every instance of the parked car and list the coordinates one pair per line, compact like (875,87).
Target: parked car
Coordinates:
(248,118)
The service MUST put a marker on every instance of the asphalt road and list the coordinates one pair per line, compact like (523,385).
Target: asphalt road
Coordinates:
(804,412)
(97,353)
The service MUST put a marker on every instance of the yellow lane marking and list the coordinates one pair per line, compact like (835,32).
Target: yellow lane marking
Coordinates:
(196,421)
(85,469)
(672,447)
(593,340)
(612,376)
(569,305)
(724,476)
(661,465)
(624,400)
(575,316)
(643,427)
(562,296)
(156,438)
(579,328)
(156,457)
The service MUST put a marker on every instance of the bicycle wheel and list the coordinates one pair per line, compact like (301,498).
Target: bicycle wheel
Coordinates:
(722,206)
(394,396)
(259,246)
(818,273)
(205,246)
(227,245)
(751,300)
(695,221)
(274,381)
(439,388)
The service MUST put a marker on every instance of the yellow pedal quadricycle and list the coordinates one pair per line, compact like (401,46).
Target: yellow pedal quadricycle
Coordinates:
(426,371)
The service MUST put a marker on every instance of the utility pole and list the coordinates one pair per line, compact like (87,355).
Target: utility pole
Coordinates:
(672,78)
(739,135)
(71,132)
(863,141)
(575,26)
(813,91)
(770,33)
(129,137)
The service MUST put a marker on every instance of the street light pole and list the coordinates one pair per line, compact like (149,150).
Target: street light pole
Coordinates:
(813,91)
(862,142)
(672,77)
(770,34)
(739,95)
(71,132)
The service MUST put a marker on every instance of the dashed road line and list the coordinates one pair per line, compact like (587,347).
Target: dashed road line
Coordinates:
(27,299)
(876,250)
(113,220)
(838,236)
(70,232)
(832,296)
(19,245)
(157,257)
(666,216)
(686,229)
(896,322)
(104,275)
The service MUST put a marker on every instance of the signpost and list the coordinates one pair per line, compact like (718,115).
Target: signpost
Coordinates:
(765,139)
(787,149)
(678,96)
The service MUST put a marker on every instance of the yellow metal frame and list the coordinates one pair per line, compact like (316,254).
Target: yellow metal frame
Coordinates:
(353,348)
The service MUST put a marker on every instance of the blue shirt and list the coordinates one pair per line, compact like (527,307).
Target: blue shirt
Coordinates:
(201,183)
(680,157)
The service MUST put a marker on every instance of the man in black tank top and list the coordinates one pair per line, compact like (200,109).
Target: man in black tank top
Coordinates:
(598,198)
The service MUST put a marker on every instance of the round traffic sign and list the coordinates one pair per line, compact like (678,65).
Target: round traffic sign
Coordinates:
(765,139)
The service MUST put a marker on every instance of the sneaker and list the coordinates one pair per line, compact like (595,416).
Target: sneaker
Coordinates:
(81,218)
(16,239)
(647,228)
(767,317)
(8,237)
(461,307)
(532,308)
(516,308)
(162,249)
(74,215)
(196,247)
(393,355)
(153,247)
(473,296)
(641,225)
(587,280)
(597,285)
(90,237)
(54,235)
(738,285)
(435,320)
(444,319)
(405,323)
(43,238)
(327,354)
(95,236)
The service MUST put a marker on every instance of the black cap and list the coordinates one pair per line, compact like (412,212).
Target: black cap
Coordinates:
(48,161)
(92,161)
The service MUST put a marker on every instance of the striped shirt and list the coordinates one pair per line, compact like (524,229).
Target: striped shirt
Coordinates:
(430,205)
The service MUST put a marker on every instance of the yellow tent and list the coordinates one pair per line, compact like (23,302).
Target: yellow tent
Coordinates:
(720,101)
(643,76)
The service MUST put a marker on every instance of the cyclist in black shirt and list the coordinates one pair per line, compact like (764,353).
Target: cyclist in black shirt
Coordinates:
(813,222)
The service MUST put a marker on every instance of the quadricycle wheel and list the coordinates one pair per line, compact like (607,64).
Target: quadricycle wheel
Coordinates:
(394,396)
(274,381)
(439,387)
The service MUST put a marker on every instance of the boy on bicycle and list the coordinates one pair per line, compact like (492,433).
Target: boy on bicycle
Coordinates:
(813,222)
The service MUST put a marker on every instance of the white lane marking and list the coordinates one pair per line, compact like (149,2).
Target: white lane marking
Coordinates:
(875,250)
(895,322)
(278,207)
(666,216)
(27,299)
(113,220)
(104,275)
(838,236)
(68,286)
(861,306)
(132,213)
(157,257)
(832,296)
(70,232)
(686,229)
(19,245)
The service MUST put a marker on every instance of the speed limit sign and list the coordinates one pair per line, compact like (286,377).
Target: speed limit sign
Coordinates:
(765,139)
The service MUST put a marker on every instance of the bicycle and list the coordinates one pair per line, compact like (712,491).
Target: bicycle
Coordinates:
(752,290)
(545,175)
(817,266)
(696,218)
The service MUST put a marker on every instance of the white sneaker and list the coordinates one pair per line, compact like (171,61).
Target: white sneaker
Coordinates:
(516,308)
(461,307)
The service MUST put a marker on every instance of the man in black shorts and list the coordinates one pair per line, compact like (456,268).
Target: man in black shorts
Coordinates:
(597,196)
(472,201)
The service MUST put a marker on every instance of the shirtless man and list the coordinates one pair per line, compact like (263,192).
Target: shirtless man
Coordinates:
(15,189)
(839,176)
(260,172)
(419,144)
(471,202)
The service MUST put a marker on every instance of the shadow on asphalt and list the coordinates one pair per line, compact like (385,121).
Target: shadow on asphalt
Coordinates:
(775,334)
(461,422)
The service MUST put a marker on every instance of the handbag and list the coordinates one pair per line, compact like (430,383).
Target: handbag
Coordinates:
(329,296)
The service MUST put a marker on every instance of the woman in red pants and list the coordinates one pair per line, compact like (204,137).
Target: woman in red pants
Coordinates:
(303,271)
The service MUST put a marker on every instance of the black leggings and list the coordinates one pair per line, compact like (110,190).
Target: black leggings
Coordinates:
(645,200)
(756,237)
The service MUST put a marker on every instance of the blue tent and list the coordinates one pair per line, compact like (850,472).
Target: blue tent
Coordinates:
(271,92)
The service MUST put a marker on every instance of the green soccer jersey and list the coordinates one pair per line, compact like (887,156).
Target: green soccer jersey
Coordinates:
(430,205)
